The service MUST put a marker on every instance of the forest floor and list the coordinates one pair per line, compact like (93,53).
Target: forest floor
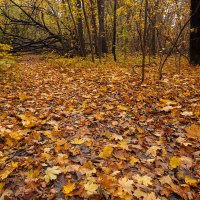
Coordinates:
(70,129)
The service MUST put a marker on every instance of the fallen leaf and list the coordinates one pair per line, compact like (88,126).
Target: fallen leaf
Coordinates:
(153,150)
(187,114)
(127,185)
(193,131)
(167,108)
(134,160)
(77,141)
(123,108)
(23,97)
(143,180)
(51,173)
(28,121)
(168,102)
(91,186)
(67,189)
(175,162)
(106,152)
(123,145)
(116,137)
(190,181)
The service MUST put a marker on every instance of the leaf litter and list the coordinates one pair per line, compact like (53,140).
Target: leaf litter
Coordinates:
(92,132)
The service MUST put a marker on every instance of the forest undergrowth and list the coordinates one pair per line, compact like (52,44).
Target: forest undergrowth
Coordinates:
(71,129)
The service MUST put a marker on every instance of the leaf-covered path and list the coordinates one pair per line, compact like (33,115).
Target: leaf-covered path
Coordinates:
(80,132)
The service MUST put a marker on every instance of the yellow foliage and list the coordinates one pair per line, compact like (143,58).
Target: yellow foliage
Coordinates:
(67,189)
(175,162)
(106,152)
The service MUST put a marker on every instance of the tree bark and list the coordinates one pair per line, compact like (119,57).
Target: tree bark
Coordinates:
(114,31)
(94,27)
(80,28)
(144,40)
(195,33)
(88,30)
(102,33)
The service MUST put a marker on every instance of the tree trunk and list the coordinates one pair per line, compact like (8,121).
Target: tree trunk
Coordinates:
(195,33)
(80,27)
(144,40)
(114,31)
(88,30)
(81,48)
(102,34)
(94,27)
(153,26)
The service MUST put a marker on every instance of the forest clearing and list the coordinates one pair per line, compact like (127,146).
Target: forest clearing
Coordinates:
(99,99)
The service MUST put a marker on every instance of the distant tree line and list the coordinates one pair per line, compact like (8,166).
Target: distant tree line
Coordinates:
(98,27)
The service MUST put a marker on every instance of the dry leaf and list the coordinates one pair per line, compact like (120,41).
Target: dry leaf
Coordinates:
(187,114)
(123,145)
(153,150)
(143,180)
(175,162)
(134,160)
(190,181)
(77,141)
(106,152)
(193,131)
(91,186)
(67,189)
(127,185)
(51,173)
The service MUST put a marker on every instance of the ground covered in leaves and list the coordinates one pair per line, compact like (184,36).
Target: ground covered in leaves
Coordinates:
(70,129)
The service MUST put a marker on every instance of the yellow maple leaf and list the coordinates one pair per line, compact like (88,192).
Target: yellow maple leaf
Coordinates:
(127,185)
(123,108)
(4,174)
(139,193)
(51,173)
(174,162)
(15,135)
(143,180)
(28,121)
(153,150)
(67,189)
(106,152)
(33,174)
(77,141)
(146,196)
(190,181)
(123,145)
(14,164)
(134,160)
(168,102)
(23,96)
(91,186)
(116,137)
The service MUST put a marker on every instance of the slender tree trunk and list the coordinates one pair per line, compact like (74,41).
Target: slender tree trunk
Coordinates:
(94,26)
(153,39)
(102,33)
(153,26)
(195,33)
(144,40)
(82,49)
(88,30)
(80,27)
(114,31)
